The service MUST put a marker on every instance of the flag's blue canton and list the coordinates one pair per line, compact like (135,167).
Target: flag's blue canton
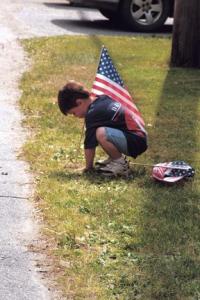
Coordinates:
(190,172)
(107,68)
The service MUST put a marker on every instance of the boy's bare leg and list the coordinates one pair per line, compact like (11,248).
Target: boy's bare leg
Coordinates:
(107,146)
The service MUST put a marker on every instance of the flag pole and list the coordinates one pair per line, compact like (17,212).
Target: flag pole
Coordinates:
(82,129)
(102,47)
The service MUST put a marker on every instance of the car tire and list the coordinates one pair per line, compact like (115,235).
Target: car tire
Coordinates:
(145,15)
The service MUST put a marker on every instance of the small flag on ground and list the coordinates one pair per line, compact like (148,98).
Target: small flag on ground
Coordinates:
(172,171)
(109,82)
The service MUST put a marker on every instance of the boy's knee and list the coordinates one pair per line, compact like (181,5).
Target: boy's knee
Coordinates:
(100,134)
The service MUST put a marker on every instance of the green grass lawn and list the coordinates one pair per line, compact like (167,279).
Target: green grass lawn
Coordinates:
(116,239)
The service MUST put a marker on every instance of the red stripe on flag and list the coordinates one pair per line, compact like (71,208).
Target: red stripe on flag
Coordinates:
(121,90)
(159,172)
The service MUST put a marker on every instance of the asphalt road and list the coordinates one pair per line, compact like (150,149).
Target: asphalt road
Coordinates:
(56,17)
(19,276)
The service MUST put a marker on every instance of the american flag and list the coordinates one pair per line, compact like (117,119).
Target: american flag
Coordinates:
(109,82)
(172,171)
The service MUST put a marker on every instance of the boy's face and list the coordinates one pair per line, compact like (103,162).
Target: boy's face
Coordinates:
(80,110)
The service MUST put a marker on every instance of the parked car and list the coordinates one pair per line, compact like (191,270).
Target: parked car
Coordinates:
(141,15)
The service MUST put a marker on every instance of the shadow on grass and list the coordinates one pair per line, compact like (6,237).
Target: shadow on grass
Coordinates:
(94,177)
(169,246)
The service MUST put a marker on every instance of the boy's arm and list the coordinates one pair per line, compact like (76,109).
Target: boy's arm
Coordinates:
(89,158)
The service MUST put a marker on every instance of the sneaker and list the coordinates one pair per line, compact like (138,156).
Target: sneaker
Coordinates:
(103,163)
(117,167)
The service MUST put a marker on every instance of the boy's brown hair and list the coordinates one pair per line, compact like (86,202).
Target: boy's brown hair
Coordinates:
(68,95)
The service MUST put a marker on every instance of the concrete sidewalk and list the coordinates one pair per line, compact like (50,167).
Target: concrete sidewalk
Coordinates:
(19,276)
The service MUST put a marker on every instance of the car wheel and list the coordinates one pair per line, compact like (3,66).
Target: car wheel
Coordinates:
(109,14)
(145,15)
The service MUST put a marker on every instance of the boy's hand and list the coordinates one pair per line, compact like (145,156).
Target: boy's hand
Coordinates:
(88,170)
